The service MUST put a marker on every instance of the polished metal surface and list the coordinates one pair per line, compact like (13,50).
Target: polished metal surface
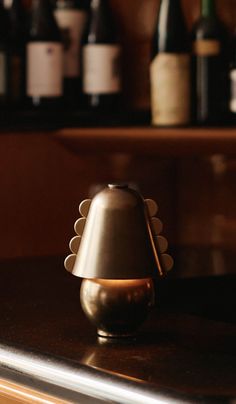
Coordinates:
(117,307)
(117,241)
(74,380)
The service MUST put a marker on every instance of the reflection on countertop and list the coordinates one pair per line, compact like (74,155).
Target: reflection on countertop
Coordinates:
(185,351)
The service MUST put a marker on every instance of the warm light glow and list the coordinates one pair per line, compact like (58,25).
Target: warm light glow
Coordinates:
(7,3)
(124,283)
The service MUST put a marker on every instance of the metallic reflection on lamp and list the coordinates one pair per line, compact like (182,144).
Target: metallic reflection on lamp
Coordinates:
(118,251)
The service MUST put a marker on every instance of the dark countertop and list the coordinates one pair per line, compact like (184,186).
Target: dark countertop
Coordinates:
(185,352)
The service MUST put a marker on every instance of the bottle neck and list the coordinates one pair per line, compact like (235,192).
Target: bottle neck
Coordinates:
(208,8)
(43,24)
(171,34)
(17,21)
(169,12)
(166,4)
(41,5)
(16,12)
(66,4)
(99,7)
(102,28)
(42,9)
(95,4)
(4,23)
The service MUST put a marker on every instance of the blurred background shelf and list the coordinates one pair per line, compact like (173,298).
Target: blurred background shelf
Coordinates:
(148,140)
(171,142)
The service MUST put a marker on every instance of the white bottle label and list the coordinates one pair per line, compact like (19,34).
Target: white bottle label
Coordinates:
(72,24)
(233,91)
(170,89)
(44,69)
(2,73)
(101,69)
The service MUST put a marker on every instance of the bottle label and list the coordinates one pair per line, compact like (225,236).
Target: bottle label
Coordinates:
(44,69)
(101,69)
(233,91)
(72,24)
(206,47)
(170,89)
(3,74)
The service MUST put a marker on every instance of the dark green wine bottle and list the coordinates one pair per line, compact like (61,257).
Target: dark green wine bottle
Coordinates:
(101,59)
(170,67)
(210,64)
(71,16)
(44,57)
(16,54)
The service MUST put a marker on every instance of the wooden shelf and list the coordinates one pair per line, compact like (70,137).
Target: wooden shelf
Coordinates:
(138,140)
(148,140)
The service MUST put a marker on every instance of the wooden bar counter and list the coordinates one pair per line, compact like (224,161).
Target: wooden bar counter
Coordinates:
(49,352)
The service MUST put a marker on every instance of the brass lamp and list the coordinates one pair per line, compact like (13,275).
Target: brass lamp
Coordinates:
(118,252)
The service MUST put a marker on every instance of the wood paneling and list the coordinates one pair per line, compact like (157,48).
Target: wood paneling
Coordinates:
(42,184)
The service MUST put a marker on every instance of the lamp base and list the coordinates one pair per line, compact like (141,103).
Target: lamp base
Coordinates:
(117,307)
(103,334)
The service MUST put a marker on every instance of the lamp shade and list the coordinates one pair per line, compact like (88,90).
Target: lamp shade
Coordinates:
(117,240)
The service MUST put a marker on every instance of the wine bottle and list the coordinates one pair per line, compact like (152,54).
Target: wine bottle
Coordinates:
(233,80)
(16,55)
(44,57)
(210,64)
(101,59)
(4,44)
(170,67)
(71,16)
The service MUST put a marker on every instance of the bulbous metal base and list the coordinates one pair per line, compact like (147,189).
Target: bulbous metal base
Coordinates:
(117,307)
